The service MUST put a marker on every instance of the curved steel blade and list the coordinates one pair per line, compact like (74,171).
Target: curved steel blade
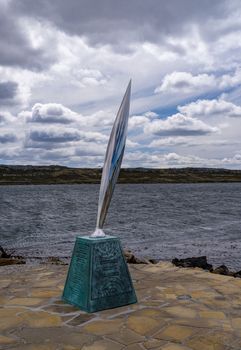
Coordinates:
(113,159)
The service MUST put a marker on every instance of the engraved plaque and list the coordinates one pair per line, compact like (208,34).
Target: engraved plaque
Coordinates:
(77,281)
(108,270)
(98,276)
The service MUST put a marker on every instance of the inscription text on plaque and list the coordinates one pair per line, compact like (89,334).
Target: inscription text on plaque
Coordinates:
(98,276)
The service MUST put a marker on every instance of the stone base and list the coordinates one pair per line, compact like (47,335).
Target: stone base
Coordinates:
(98,276)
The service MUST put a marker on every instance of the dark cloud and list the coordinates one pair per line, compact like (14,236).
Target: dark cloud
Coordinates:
(15,46)
(122,22)
(182,132)
(53,136)
(7,138)
(8,90)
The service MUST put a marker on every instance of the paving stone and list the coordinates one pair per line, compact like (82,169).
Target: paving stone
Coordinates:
(47,283)
(180,311)
(134,347)
(60,335)
(203,294)
(126,337)
(152,303)
(3,300)
(212,341)
(149,312)
(176,347)
(38,347)
(103,345)
(41,319)
(103,327)
(9,318)
(116,311)
(10,312)
(45,293)
(236,322)
(63,309)
(175,333)
(24,301)
(143,325)
(80,319)
(152,269)
(4,283)
(213,314)
(154,344)
(33,315)
(6,340)
(198,323)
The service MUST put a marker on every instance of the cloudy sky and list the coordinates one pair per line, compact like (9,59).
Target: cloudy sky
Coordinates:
(64,67)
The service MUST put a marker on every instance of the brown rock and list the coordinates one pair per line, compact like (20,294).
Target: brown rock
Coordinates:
(237,274)
(11,261)
(200,261)
(3,254)
(132,259)
(223,270)
(54,260)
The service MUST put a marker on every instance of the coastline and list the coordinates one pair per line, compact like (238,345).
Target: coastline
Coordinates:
(132,259)
(54,174)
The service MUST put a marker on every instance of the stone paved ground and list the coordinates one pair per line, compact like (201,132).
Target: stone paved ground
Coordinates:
(178,309)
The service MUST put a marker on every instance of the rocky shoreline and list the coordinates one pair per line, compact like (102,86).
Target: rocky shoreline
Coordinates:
(131,258)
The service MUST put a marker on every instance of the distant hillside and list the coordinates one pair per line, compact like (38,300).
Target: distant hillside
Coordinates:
(28,174)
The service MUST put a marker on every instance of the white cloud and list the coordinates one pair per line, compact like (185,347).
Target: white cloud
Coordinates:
(179,125)
(169,141)
(185,82)
(137,122)
(235,160)
(208,108)
(190,142)
(75,84)
(50,113)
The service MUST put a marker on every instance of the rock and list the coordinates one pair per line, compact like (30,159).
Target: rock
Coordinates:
(3,254)
(54,260)
(223,270)
(200,261)
(153,261)
(7,259)
(11,261)
(237,274)
(132,259)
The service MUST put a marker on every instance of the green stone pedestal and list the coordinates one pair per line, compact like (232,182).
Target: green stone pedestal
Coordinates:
(98,276)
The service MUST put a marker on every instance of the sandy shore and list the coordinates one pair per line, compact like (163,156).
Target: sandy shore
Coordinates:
(178,309)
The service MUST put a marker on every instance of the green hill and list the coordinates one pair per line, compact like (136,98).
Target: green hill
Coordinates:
(54,174)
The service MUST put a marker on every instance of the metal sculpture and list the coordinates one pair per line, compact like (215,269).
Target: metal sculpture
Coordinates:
(98,276)
(112,163)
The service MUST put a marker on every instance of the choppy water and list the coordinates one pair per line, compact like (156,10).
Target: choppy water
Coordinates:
(158,220)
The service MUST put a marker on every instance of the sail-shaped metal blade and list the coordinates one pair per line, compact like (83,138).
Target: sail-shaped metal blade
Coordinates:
(113,159)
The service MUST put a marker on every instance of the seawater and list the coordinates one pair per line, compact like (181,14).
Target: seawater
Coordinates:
(154,220)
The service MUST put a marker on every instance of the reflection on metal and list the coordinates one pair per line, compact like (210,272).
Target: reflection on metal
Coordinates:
(113,159)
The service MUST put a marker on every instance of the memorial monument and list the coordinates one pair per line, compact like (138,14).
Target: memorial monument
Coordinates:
(98,276)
